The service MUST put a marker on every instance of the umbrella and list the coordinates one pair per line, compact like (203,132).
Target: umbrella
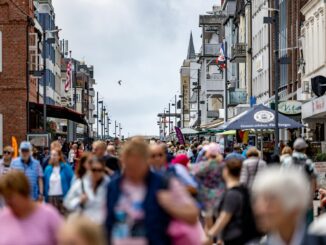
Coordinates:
(259,117)
(187,131)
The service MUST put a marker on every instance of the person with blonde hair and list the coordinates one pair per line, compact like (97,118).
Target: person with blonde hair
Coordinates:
(286,154)
(24,221)
(5,162)
(57,179)
(251,166)
(139,204)
(80,230)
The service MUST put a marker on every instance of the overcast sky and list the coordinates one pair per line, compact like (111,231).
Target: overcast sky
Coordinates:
(141,42)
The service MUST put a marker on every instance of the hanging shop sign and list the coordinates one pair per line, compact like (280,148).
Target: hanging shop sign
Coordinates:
(291,107)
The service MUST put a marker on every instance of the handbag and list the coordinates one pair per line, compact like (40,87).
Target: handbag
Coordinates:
(182,233)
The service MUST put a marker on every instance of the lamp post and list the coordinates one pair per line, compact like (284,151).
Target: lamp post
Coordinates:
(98,117)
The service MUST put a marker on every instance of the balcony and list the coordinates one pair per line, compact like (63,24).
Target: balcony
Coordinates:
(91,92)
(214,76)
(236,97)
(238,53)
(213,114)
(211,50)
(214,85)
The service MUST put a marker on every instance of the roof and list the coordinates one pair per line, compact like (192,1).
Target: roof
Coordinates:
(59,112)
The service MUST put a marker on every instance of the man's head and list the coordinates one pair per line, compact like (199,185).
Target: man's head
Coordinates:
(158,158)
(99,148)
(15,189)
(280,197)
(8,153)
(116,141)
(300,145)
(110,150)
(134,157)
(46,150)
(25,150)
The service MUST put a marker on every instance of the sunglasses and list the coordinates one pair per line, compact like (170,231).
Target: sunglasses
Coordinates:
(157,155)
(7,152)
(97,170)
(25,151)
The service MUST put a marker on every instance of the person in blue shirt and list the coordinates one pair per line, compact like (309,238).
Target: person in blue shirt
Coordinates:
(57,179)
(31,168)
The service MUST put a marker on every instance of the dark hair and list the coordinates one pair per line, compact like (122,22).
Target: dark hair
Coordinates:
(81,170)
(234,166)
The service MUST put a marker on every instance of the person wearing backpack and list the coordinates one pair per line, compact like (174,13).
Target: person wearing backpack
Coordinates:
(235,222)
(301,161)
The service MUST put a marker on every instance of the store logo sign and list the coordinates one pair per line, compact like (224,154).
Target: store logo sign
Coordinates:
(264,116)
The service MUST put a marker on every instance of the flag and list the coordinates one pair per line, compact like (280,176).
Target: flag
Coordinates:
(221,59)
(68,76)
(180,136)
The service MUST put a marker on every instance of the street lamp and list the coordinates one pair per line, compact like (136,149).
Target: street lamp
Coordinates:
(46,41)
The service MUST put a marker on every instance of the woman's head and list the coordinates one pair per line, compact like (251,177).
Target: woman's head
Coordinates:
(56,156)
(15,189)
(97,168)
(84,165)
(252,152)
(135,158)
(79,230)
(287,150)
(8,153)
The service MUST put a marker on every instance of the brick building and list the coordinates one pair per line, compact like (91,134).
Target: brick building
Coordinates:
(16,88)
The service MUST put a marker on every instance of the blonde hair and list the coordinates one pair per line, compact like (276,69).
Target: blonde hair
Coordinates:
(56,145)
(14,182)
(136,146)
(99,143)
(287,150)
(8,148)
(252,152)
(89,231)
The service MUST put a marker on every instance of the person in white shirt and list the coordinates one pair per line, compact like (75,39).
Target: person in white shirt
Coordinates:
(88,194)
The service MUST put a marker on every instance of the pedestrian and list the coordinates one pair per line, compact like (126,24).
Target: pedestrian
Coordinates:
(80,230)
(112,163)
(110,151)
(301,161)
(24,221)
(31,168)
(87,195)
(72,154)
(235,221)
(57,179)
(45,156)
(139,204)
(211,184)
(5,162)
(84,165)
(281,199)
(251,166)
(286,154)
(158,158)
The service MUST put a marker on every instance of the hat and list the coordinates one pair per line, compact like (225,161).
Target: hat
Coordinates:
(214,149)
(235,156)
(181,159)
(300,144)
(25,145)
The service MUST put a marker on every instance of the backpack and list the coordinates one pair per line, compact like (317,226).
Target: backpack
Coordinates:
(248,223)
(303,165)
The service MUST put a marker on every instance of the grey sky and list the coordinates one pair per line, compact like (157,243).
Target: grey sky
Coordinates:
(142,42)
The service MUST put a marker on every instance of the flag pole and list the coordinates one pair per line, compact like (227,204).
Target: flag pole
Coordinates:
(71,84)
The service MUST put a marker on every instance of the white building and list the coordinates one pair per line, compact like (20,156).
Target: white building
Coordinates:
(313,43)
(260,51)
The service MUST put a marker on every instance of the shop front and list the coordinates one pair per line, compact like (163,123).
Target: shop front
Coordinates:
(314,117)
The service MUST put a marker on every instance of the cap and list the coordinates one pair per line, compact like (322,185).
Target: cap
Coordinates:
(25,145)
(181,159)
(300,144)
(235,156)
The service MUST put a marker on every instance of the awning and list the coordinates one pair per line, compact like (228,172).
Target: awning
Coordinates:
(259,117)
(59,112)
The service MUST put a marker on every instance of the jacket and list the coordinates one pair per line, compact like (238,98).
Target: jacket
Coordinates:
(156,219)
(250,168)
(95,207)
(66,175)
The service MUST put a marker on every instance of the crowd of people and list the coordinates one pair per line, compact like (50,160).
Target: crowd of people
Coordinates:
(138,192)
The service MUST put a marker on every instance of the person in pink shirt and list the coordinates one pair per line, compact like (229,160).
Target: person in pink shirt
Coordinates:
(23,221)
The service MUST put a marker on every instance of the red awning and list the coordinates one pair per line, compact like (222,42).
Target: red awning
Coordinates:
(59,112)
